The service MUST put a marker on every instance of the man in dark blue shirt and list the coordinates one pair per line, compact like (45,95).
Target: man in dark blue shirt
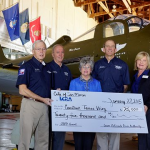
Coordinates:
(61,77)
(114,77)
(34,83)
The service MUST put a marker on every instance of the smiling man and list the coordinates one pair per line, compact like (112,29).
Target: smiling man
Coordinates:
(61,77)
(34,83)
(113,74)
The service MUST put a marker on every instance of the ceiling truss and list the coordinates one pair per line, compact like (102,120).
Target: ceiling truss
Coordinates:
(102,10)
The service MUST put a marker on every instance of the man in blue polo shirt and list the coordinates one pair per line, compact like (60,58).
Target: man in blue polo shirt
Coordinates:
(113,74)
(34,83)
(61,77)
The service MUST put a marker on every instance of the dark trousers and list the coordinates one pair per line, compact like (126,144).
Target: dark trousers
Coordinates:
(50,129)
(144,139)
(58,140)
(83,140)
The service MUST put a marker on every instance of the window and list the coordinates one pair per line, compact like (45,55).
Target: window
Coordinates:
(113,29)
(135,24)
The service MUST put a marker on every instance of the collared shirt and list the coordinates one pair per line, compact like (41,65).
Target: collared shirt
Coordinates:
(61,76)
(113,75)
(135,85)
(79,84)
(86,82)
(36,76)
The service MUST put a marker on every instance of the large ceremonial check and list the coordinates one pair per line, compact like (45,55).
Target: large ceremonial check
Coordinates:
(98,112)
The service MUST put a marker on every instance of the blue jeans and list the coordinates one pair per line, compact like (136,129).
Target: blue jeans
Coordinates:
(58,140)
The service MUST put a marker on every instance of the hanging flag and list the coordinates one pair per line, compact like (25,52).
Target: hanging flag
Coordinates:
(11,16)
(35,30)
(24,26)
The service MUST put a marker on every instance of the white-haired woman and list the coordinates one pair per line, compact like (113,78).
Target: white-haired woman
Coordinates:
(84,140)
(141,84)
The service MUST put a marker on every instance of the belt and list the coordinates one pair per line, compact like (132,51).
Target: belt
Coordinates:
(33,99)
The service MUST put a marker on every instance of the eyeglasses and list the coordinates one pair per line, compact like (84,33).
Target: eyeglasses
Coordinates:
(39,49)
(86,67)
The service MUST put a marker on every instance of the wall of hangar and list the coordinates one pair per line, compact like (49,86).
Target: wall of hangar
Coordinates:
(58,17)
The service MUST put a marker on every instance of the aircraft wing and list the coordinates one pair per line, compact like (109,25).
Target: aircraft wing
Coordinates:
(10,65)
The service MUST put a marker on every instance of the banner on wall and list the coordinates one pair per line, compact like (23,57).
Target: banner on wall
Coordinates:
(11,16)
(24,26)
(35,30)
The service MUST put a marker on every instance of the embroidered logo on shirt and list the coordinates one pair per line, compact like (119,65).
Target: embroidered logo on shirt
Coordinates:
(48,71)
(118,67)
(101,67)
(66,73)
(21,72)
(37,70)
(22,63)
(54,71)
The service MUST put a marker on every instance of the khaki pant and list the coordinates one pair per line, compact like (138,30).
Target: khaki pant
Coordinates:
(108,141)
(34,120)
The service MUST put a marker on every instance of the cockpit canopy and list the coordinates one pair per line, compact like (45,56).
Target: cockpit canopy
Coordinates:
(117,27)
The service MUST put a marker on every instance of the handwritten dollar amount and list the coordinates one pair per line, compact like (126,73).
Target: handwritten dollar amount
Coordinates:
(131,109)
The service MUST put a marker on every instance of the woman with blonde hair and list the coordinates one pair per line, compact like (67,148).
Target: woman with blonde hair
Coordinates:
(141,84)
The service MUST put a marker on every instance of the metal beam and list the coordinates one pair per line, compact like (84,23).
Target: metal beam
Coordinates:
(127,5)
(90,9)
(79,4)
(137,1)
(133,10)
(129,1)
(106,9)
(144,4)
(118,2)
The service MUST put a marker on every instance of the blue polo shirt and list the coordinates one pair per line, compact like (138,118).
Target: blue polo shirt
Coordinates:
(36,76)
(61,76)
(112,75)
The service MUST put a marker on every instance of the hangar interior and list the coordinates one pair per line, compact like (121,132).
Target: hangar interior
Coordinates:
(68,17)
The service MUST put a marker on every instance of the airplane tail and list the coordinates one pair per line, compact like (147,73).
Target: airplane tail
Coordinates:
(2,56)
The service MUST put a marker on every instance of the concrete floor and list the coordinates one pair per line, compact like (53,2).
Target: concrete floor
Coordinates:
(7,121)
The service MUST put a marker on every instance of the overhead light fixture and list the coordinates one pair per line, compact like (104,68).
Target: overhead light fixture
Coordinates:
(114,8)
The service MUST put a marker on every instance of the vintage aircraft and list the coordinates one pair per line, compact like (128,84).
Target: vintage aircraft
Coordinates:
(131,33)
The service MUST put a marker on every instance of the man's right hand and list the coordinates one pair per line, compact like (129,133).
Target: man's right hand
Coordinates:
(47,101)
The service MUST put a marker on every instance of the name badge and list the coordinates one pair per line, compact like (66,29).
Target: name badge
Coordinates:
(145,76)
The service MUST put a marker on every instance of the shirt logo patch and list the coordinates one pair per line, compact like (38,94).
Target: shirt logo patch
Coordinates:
(21,72)
(37,70)
(54,71)
(118,67)
(48,71)
(66,73)
(101,67)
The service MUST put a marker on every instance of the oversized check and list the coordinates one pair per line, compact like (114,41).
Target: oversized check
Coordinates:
(98,112)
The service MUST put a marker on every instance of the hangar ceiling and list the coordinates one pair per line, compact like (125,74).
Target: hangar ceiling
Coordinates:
(102,10)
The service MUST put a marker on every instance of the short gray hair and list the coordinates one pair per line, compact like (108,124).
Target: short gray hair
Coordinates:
(86,60)
(56,46)
(38,41)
